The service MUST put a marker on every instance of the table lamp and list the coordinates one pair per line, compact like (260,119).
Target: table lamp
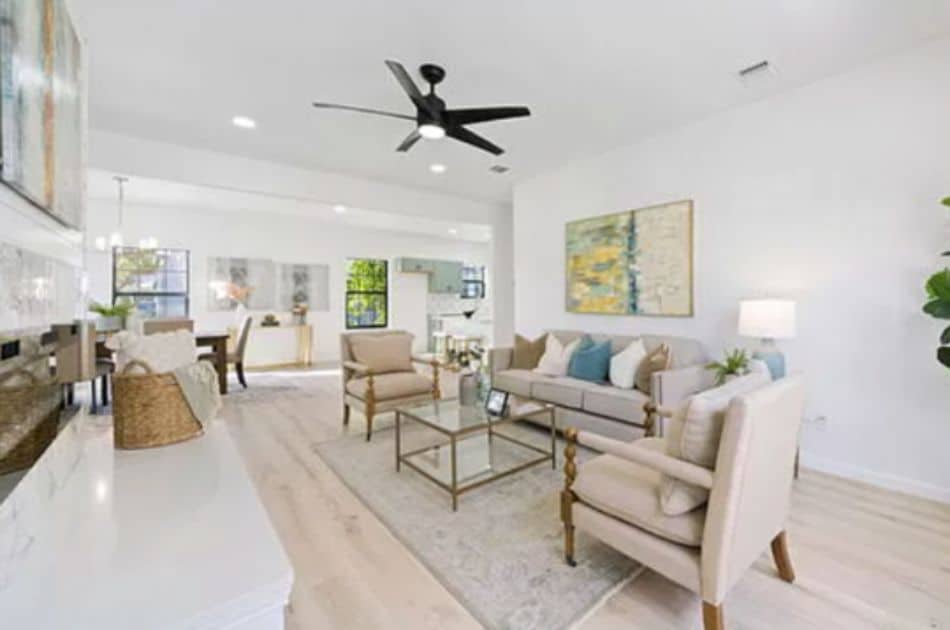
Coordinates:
(768,320)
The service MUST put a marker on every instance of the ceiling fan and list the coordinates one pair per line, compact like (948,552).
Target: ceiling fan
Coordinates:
(433,120)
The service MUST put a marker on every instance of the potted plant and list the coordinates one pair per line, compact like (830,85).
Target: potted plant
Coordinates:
(735,363)
(113,317)
(938,304)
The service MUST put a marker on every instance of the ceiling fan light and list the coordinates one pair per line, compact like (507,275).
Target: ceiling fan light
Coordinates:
(430,131)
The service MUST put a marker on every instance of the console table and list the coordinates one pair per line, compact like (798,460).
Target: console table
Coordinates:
(278,346)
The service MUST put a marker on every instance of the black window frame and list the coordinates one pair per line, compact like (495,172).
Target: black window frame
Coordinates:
(478,282)
(348,293)
(186,294)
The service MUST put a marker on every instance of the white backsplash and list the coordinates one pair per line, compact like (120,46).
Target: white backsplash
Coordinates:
(452,304)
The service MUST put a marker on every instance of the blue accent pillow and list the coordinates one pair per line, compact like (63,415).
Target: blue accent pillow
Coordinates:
(591,361)
(584,343)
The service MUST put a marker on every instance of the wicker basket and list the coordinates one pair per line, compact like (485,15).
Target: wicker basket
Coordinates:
(37,404)
(150,410)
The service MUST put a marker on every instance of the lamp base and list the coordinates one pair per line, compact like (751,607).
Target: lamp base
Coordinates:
(774,359)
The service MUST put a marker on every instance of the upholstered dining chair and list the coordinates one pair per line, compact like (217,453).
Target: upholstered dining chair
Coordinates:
(156,326)
(615,497)
(378,374)
(235,355)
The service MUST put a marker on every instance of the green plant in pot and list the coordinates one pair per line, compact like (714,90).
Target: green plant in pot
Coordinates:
(112,317)
(735,363)
(938,304)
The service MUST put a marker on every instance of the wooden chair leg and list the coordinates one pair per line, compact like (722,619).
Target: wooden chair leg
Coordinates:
(782,559)
(369,424)
(239,368)
(567,495)
(105,390)
(346,414)
(712,617)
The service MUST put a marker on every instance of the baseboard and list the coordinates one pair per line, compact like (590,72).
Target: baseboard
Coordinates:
(881,480)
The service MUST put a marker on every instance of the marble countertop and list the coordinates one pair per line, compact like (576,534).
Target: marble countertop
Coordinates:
(172,537)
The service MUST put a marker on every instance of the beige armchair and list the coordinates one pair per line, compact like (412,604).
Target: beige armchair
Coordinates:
(378,374)
(615,497)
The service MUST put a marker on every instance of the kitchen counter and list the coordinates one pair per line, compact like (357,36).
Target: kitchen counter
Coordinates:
(171,537)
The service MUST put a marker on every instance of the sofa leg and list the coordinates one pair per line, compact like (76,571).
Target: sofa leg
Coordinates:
(712,617)
(783,560)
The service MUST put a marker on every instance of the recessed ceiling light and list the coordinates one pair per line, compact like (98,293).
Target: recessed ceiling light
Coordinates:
(453,231)
(339,208)
(437,168)
(431,132)
(244,122)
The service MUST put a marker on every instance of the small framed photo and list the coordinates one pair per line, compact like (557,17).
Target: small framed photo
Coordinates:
(496,402)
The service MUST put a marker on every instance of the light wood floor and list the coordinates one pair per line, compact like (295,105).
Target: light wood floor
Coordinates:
(865,558)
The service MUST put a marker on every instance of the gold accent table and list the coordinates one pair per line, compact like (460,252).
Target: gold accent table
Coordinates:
(471,433)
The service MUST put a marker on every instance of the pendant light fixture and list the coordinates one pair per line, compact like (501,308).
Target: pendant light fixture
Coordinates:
(116,238)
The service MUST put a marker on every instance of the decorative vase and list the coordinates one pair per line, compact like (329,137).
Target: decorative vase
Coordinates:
(468,388)
(108,324)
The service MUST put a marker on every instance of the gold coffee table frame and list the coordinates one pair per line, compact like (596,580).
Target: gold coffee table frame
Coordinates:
(488,426)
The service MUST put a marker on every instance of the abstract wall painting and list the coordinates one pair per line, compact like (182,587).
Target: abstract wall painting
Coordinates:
(304,284)
(248,281)
(638,262)
(41,107)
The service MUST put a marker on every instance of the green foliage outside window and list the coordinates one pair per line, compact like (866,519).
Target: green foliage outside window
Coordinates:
(367,293)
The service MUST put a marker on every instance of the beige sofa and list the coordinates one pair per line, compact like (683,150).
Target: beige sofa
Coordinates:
(602,408)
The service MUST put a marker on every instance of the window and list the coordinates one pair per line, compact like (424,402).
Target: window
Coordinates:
(155,280)
(473,282)
(367,293)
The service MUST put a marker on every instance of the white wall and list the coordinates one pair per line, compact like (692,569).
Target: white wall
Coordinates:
(828,195)
(148,158)
(282,238)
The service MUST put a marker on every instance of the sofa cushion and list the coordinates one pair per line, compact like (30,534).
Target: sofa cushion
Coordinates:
(383,353)
(390,386)
(517,382)
(561,390)
(591,362)
(630,492)
(657,360)
(623,404)
(526,353)
(624,364)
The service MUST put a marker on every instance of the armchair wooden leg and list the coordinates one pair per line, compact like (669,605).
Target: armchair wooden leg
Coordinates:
(369,423)
(436,388)
(567,495)
(712,617)
(346,414)
(370,410)
(782,559)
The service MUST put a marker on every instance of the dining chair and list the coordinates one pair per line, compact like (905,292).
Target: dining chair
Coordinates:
(155,326)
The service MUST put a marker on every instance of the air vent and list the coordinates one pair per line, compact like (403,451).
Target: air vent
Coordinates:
(498,168)
(754,68)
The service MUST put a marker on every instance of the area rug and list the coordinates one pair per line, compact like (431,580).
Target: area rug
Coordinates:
(501,554)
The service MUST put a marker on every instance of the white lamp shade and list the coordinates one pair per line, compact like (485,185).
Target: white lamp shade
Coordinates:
(767,319)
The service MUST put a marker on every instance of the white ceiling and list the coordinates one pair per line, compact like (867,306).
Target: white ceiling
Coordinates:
(595,74)
(157,193)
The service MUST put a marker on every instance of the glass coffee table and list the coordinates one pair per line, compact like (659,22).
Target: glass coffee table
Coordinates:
(478,453)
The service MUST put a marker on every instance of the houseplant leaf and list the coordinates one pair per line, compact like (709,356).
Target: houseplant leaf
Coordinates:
(938,308)
(945,337)
(943,355)
(938,285)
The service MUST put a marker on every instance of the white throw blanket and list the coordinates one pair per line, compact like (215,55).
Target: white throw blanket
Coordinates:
(199,384)
(163,352)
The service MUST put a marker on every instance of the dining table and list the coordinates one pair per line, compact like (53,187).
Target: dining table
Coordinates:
(216,340)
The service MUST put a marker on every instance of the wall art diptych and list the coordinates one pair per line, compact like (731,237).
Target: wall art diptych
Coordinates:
(638,262)
(304,284)
(248,281)
(41,107)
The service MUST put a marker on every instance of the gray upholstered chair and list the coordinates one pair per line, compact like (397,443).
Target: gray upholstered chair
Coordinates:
(615,497)
(240,348)
(378,374)
(155,326)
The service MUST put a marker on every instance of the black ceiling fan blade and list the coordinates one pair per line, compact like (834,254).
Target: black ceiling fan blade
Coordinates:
(410,140)
(408,85)
(464,135)
(475,115)
(363,110)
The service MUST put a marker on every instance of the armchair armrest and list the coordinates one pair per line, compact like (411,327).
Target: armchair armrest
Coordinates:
(671,387)
(499,359)
(427,359)
(359,368)
(660,462)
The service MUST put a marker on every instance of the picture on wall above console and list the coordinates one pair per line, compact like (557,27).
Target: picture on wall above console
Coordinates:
(304,284)
(41,107)
(638,262)
(248,281)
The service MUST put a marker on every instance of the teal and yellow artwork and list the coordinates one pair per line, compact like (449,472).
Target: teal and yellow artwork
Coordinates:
(637,262)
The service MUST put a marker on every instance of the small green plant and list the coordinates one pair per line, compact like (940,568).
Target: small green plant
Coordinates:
(121,309)
(938,304)
(735,363)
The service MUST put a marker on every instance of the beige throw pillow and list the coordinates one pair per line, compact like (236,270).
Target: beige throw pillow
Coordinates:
(661,358)
(527,353)
(383,353)
(693,435)
(556,357)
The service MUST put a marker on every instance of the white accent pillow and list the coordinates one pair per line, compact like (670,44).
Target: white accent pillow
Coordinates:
(624,364)
(556,357)
(694,432)
(163,352)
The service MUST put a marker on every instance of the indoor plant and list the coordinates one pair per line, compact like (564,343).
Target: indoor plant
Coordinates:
(938,304)
(111,317)
(735,363)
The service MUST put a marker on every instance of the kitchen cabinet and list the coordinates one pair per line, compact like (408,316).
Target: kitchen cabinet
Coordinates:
(415,265)
(445,276)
